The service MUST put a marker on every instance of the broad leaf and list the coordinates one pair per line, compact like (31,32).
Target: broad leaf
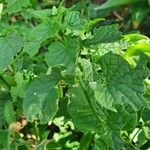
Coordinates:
(102,143)
(40,14)
(14,6)
(121,120)
(123,85)
(86,140)
(81,113)
(9,113)
(63,54)
(74,21)
(41,98)
(10,45)
(104,34)
(37,35)
(19,89)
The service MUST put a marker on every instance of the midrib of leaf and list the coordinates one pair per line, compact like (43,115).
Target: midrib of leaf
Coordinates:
(89,100)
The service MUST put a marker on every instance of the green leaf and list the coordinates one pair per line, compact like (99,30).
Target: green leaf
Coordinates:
(41,98)
(4,139)
(37,35)
(102,143)
(146,130)
(135,37)
(2,106)
(74,21)
(91,23)
(10,45)
(40,14)
(81,113)
(14,6)
(86,141)
(8,79)
(137,49)
(121,120)
(4,97)
(123,85)
(63,54)
(9,113)
(103,48)
(53,145)
(87,69)
(104,34)
(85,120)
(19,89)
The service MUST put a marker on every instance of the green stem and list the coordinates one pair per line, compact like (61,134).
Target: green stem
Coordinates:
(89,100)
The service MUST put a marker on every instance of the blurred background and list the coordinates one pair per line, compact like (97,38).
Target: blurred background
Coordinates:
(131,15)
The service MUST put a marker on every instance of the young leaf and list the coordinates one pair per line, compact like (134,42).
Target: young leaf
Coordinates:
(137,49)
(9,113)
(18,91)
(74,21)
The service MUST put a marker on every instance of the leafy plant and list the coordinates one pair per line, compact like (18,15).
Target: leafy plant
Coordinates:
(68,84)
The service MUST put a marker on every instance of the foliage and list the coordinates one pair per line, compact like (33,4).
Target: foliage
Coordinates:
(71,82)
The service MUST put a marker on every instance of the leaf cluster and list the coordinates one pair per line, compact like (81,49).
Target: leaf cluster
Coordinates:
(68,84)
